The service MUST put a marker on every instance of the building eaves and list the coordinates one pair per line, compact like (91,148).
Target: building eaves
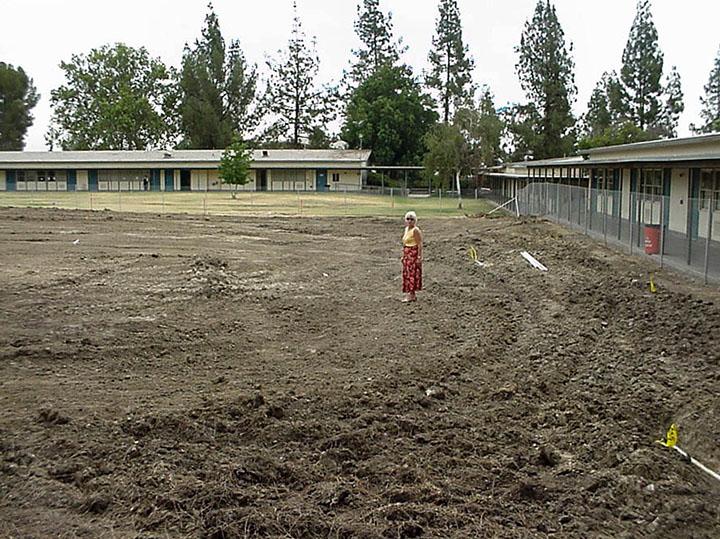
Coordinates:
(654,144)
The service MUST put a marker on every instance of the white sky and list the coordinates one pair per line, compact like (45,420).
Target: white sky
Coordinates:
(38,34)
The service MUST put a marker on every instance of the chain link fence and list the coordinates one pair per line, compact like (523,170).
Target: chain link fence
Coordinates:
(681,233)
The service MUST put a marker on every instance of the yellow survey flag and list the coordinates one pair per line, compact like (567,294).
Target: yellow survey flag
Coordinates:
(653,288)
(671,437)
(472,252)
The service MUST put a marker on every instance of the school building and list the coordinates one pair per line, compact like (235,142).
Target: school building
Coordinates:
(661,197)
(180,170)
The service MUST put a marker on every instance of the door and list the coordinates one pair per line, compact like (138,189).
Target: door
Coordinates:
(185,180)
(321,180)
(10,180)
(92,180)
(155,179)
(71,180)
(694,203)
(262,180)
(169,180)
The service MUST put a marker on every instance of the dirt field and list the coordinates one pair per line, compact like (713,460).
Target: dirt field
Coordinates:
(181,377)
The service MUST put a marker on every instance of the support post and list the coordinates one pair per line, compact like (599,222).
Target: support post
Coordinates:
(709,235)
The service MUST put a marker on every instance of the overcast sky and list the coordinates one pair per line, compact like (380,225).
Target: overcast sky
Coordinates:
(38,34)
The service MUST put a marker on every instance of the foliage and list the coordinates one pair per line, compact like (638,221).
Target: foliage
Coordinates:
(482,129)
(18,96)
(546,72)
(710,112)
(612,135)
(447,153)
(375,31)
(451,64)
(600,114)
(637,96)
(293,96)
(218,90)
(642,67)
(114,98)
(521,134)
(389,113)
(235,164)
(673,105)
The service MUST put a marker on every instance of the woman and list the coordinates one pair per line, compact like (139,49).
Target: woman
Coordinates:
(412,257)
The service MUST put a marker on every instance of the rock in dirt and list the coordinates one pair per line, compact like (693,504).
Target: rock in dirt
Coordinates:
(52,417)
(435,392)
(549,456)
(275,412)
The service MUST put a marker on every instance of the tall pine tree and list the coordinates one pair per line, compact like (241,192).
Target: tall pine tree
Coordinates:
(603,124)
(599,116)
(17,98)
(546,72)
(217,101)
(710,112)
(673,105)
(642,68)
(375,30)
(298,104)
(450,62)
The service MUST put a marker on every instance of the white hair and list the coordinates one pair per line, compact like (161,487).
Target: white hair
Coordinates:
(411,214)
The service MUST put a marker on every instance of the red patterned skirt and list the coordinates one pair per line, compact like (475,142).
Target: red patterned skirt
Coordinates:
(412,270)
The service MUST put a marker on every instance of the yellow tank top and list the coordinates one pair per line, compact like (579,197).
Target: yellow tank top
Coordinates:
(409,237)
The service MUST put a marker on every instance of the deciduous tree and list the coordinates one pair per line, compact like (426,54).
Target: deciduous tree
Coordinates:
(448,153)
(235,165)
(482,129)
(390,114)
(18,96)
(114,98)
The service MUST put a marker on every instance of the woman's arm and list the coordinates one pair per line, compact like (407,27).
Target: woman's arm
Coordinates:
(419,240)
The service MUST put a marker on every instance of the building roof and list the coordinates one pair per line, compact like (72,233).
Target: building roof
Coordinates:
(185,158)
(637,147)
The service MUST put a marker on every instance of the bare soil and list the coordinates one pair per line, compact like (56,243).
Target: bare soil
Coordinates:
(258,377)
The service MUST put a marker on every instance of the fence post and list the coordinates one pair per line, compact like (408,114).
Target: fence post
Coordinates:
(632,215)
(588,206)
(605,204)
(709,235)
(662,230)
(557,197)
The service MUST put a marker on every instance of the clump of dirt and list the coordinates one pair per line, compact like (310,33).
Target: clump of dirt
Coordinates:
(261,379)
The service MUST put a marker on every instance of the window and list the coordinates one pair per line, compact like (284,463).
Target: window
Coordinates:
(336,176)
(709,189)
(651,182)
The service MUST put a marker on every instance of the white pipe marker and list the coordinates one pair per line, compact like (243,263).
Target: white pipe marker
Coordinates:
(533,262)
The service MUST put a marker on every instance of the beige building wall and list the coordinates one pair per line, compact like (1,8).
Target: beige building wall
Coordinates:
(625,198)
(302,182)
(249,186)
(703,223)
(3,184)
(345,180)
